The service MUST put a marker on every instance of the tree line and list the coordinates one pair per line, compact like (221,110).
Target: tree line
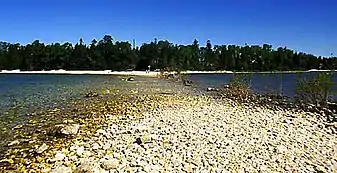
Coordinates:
(108,54)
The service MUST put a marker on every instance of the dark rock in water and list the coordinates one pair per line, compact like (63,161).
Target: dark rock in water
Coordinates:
(187,82)
(211,89)
(130,79)
(170,76)
(91,94)
(138,141)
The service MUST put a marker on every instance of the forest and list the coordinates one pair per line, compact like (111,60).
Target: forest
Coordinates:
(108,54)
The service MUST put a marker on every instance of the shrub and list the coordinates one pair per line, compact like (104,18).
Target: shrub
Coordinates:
(239,88)
(315,89)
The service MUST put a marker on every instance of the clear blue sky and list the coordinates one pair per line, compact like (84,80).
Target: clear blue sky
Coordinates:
(303,25)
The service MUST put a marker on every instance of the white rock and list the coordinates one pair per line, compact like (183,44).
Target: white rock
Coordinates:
(281,149)
(62,169)
(80,150)
(15,142)
(59,156)
(225,135)
(86,166)
(87,154)
(70,129)
(95,146)
(106,146)
(147,168)
(110,164)
(73,158)
(101,131)
(42,148)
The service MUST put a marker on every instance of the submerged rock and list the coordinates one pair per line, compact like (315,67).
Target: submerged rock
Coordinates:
(211,89)
(188,82)
(15,142)
(91,94)
(130,79)
(42,148)
(63,130)
(70,129)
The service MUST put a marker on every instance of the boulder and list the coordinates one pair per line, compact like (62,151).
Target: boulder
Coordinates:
(187,82)
(71,129)
(170,76)
(110,164)
(63,130)
(130,79)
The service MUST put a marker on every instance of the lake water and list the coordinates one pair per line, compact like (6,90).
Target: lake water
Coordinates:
(27,93)
(260,82)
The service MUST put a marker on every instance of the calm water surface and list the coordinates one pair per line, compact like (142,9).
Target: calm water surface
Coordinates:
(260,82)
(27,93)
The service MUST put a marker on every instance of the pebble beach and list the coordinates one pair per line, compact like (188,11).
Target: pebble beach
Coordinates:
(163,126)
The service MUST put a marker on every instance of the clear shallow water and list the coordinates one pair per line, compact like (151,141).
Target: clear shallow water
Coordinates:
(30,92)
(27,93)
(260,82)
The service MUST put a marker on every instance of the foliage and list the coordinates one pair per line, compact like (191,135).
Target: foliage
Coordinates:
(108,53)
(242,80)
(239,88)
(315,89)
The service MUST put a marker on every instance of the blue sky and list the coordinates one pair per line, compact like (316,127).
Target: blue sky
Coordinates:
(306,25)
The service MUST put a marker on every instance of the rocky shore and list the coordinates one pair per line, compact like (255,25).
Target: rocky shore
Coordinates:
(158,126)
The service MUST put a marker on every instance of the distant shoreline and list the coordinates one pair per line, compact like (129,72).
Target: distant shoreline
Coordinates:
(143,73)
(83,72)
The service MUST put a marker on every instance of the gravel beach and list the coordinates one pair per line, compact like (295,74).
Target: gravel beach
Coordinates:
(185,131)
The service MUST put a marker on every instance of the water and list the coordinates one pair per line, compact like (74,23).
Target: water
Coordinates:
(26,93)
(260,82)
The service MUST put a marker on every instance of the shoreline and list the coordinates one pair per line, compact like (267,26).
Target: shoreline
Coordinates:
(144,73)
(118,102)
(84,72)
(172,130)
